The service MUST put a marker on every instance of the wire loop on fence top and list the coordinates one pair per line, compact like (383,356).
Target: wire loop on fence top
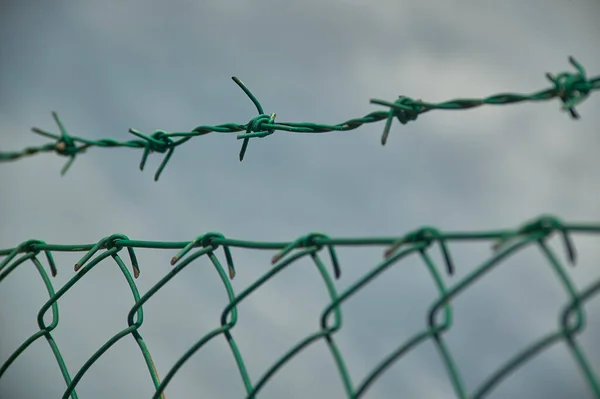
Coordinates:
(426,235)
(31,247)
(307,241)
(404,109)
(570,88)
(208,240)
(109,243)
(544,225)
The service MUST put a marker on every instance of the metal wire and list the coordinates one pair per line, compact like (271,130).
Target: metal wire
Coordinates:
(395,249)
(570,88)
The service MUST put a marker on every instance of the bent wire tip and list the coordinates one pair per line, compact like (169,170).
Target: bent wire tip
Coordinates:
(309,241)
(388,252)
(276,258)
(237,80)
(501,243)
(206,241)
(426,235)
(30,248)
(393,247)
(243,150)
(569,247)
(248,93)
(44,133)
(67,165)
(159,141)
(388,126)
(563,96)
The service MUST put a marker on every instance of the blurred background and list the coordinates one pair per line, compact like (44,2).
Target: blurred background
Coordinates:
(107,66)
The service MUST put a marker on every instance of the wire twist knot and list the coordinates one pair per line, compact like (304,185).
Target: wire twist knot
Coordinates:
(208,241)
(31,247)
(109,243)
(405,109)
(113,241)
(66,147)
(159,141)
(255,126)
(427,236)
(572,88)
(314,241)
(543,227)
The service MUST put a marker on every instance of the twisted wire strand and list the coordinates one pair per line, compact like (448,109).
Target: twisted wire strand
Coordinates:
(570,88)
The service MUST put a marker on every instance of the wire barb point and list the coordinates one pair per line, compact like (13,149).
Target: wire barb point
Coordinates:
(404,109)
(254,128)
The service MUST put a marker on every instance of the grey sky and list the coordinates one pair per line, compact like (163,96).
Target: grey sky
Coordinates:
(111,65)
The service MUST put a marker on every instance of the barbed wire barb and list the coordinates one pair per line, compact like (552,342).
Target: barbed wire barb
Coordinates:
(65,145)
(254,126)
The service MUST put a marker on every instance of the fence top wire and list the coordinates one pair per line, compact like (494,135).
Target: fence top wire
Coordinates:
(505,242)
(545,225)
(570,88)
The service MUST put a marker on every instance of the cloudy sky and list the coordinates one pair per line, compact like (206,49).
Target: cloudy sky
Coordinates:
(107,66)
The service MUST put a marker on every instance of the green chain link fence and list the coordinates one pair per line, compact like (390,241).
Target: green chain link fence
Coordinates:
(570,88)
(571,321)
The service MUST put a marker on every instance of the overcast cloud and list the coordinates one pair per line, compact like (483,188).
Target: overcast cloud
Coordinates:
(106,66)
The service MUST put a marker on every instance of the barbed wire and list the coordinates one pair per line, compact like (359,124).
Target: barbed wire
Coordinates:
(570,88)
(504,244)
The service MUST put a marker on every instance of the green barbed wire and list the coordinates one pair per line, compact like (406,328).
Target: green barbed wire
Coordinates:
(570,88)
(571,320)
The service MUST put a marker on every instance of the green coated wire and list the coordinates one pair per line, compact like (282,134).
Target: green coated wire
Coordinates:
(570,88)
(505,243)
